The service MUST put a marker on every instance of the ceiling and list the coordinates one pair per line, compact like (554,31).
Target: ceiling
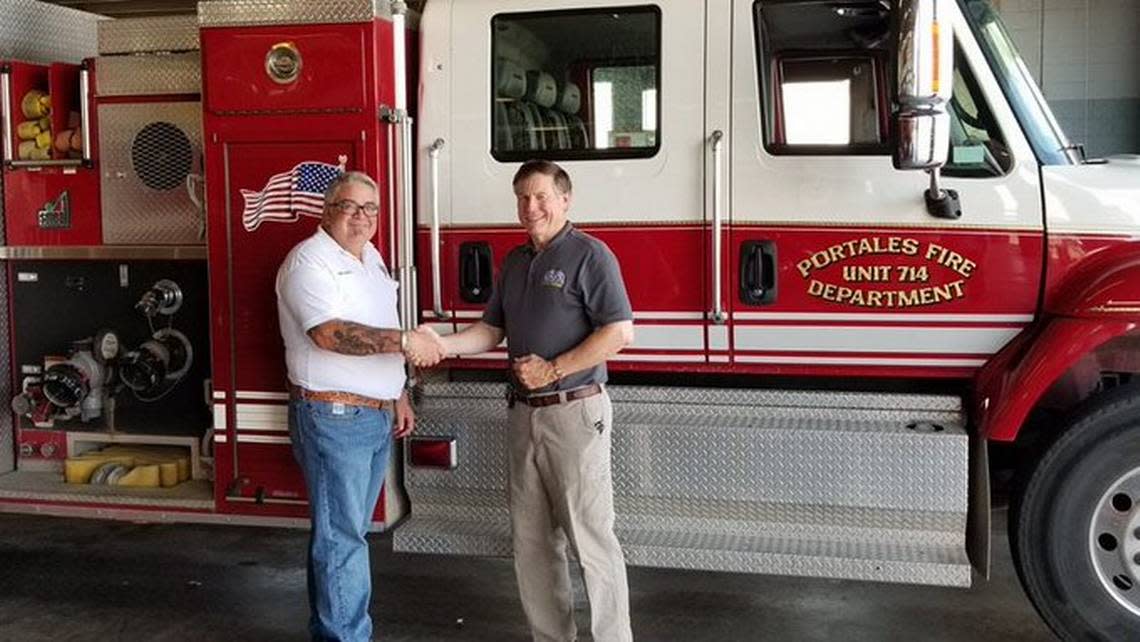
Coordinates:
(140,8)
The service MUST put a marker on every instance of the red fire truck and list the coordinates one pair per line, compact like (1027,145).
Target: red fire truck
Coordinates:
(859,249)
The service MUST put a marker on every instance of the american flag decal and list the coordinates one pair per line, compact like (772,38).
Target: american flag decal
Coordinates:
(288,195)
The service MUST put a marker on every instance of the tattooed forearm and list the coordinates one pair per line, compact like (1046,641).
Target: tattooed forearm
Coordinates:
(357,339)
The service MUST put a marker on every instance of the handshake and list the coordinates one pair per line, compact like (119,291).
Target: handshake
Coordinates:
(423,347)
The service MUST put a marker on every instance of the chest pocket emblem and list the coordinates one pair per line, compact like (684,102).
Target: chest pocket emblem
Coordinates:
(554,279)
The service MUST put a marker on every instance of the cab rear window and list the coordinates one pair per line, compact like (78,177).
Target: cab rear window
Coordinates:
(579,84)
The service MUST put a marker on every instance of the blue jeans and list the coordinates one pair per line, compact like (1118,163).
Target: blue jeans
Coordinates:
(343,452)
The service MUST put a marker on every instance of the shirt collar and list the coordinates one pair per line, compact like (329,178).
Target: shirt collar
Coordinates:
(554,242)
(326,239)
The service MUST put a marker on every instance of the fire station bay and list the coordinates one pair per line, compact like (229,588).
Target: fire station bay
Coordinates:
(882,257)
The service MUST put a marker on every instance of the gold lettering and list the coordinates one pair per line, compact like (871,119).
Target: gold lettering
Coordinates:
(874,299)
(954,262)
(820,260)
(967,268)
(835,253)
(804,267)
(815,288)
(910,246)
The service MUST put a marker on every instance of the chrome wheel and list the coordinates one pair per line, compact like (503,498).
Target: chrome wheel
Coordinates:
(1114,540)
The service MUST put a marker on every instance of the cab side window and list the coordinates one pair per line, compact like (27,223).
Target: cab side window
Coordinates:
(581,84)
(826,78)
(977,147)
(823,74)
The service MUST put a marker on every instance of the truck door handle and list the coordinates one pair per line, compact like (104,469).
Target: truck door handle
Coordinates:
(758,272)
(475,262)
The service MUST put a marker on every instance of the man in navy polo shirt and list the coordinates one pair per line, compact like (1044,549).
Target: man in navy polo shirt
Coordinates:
(561,303)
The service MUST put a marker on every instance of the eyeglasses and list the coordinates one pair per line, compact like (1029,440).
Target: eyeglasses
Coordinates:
(352,208)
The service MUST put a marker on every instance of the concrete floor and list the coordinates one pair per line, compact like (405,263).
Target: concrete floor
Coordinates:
(67,579)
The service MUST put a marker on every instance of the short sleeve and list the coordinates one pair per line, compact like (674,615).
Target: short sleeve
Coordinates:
(311,295)
(493,313)
(603,290)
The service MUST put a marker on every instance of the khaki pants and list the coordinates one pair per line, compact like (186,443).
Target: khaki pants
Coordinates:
(560,487)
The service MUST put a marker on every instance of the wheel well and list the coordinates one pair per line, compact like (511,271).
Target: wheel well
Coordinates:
(1114,363)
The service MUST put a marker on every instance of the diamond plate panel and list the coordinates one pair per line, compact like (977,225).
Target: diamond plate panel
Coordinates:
(869,568)
(785,455)
(141,35)
(41,32)
(232,13)
(147,151)
(787,521)
(793,461)
(918,563)
(439,535)
(734,397)
(480,432)
(149,75)
(784,482)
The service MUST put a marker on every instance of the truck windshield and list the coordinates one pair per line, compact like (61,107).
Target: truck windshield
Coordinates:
(1045,135)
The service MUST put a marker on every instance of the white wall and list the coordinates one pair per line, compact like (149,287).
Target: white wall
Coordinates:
(1086,56)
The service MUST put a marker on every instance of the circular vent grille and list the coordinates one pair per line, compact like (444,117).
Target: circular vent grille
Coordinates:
(162,156)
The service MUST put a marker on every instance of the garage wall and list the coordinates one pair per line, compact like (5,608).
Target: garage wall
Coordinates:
(1085,54)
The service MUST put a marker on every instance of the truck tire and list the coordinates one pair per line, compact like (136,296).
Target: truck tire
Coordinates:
(1075,526)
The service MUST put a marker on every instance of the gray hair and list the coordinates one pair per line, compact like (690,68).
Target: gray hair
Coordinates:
(360,178)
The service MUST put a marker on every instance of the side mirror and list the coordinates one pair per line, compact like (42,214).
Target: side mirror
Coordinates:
(922,139)
(925,49)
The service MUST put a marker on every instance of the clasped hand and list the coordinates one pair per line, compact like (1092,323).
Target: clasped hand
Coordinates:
(534,372)
(424,347)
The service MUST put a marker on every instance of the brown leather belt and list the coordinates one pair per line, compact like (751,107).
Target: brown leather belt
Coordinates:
(338,396)
(553,398)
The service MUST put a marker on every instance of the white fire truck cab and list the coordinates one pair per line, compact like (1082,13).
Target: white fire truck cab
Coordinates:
(826,338)
(859,250)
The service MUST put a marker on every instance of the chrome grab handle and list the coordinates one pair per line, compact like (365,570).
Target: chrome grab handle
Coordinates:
(436,271)
(407,220)
(7,127)
(717,141)
(85,112)
(391,185)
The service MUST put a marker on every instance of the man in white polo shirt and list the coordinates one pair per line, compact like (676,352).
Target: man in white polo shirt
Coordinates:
(343,350)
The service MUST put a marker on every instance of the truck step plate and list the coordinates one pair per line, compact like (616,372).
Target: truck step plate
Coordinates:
(843,485)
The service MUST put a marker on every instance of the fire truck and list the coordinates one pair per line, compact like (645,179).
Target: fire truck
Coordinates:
(859,249)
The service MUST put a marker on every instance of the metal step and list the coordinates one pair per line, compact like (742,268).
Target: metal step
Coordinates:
(844,485)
